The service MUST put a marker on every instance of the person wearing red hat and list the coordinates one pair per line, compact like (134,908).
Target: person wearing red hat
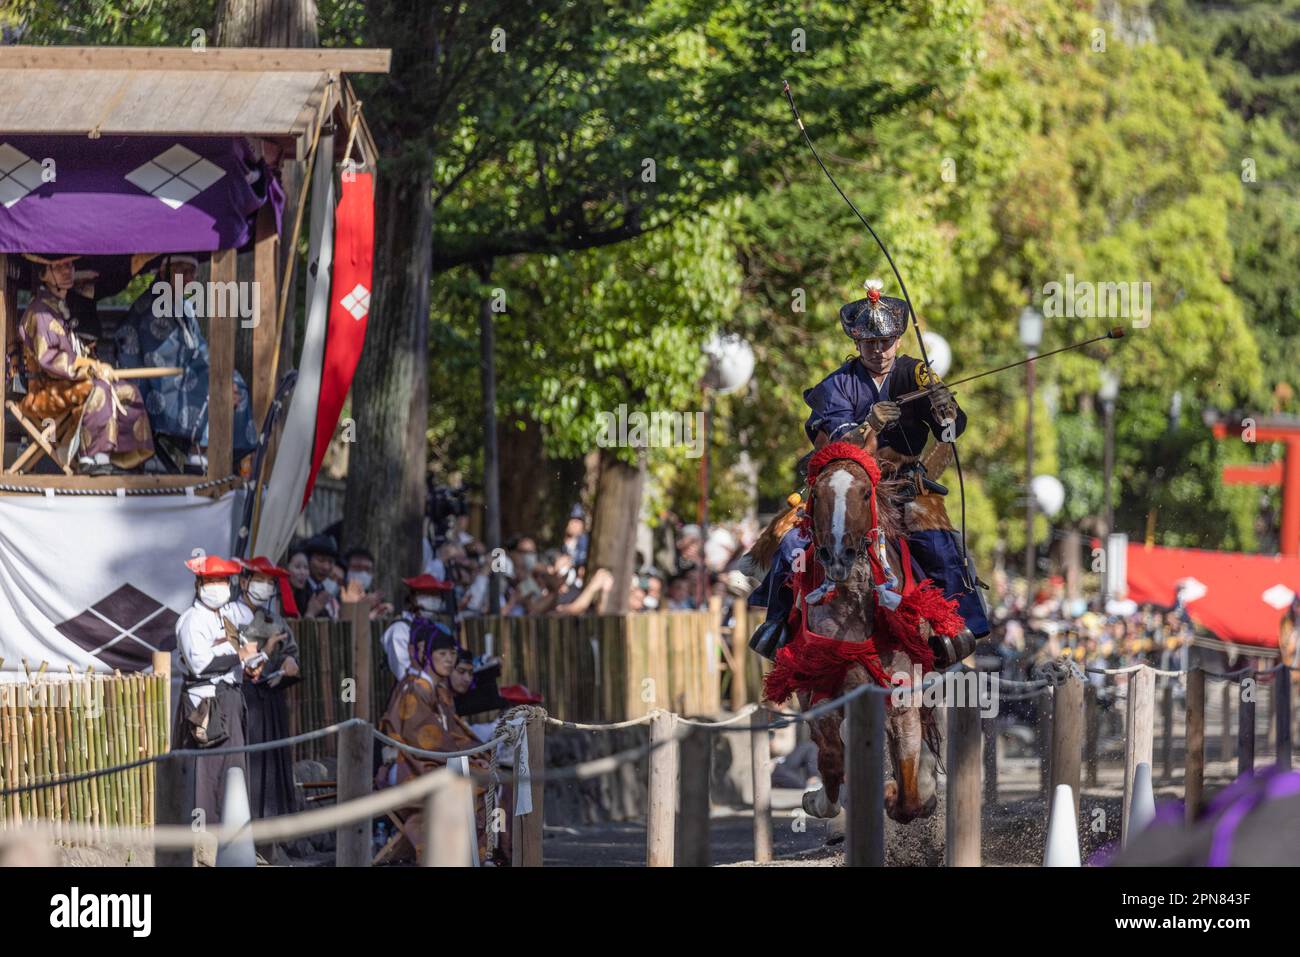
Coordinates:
(427,598)
(210,711)
(264,593)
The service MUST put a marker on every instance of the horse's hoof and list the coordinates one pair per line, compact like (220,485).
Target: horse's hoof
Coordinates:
(817,804)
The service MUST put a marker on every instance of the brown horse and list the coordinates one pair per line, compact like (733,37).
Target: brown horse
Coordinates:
(842,533)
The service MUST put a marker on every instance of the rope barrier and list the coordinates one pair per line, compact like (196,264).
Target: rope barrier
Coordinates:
(613,726)
(285,827)
(435,755)
(184,753)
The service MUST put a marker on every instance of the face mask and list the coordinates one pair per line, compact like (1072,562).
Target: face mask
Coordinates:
(651,603)
(528,560)
(331,587)
(429,603)
(214,594)
(363,578)
(261,591)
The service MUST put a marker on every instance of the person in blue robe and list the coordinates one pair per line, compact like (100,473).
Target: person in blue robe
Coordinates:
(155,333)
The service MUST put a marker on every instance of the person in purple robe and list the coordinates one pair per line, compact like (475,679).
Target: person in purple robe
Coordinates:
(113,429)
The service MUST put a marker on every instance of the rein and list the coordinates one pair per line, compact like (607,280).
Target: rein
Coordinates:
(873,540)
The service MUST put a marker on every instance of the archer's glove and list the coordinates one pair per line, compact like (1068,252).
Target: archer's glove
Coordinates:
(882,414)
(943,405)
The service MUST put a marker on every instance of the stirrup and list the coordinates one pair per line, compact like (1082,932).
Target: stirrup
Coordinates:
(769,638)
(949,651)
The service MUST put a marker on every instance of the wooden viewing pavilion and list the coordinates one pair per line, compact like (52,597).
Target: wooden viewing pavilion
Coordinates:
(281,97)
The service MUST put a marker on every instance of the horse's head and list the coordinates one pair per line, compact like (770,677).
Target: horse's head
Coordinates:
(843,509)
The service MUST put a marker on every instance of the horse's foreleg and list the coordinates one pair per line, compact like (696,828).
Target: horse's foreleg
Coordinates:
(824,802)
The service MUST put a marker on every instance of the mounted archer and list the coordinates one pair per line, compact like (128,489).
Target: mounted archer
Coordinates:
(855,404)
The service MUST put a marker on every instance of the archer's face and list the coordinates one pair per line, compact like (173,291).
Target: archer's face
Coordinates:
(878,354)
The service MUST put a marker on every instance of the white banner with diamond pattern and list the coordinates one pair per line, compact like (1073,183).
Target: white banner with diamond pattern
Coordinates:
(99,581)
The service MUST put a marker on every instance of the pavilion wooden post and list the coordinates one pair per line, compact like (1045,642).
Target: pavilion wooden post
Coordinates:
(355,780)
(695,751)
(1067,736)
(661,810)
(962,846)
(760,751)
(1137,739)
(221,368)
(864,756)
(266,254)
(1282,694)
(526,843)
(1194,773)
(1246,724)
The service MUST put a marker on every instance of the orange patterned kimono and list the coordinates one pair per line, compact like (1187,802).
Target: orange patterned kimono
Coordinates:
(422,713)
(113,418)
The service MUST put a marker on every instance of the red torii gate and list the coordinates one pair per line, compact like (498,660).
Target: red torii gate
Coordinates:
(1286,473)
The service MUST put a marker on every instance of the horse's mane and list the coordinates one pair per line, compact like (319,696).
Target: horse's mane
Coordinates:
(758,559)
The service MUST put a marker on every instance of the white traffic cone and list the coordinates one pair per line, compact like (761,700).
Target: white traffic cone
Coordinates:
(235,813)
(1062,831)
(1142,809)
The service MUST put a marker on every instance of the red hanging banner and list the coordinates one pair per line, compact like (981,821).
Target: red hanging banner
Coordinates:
(354,242)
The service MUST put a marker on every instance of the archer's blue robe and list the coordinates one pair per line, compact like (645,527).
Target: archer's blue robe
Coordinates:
(178,405)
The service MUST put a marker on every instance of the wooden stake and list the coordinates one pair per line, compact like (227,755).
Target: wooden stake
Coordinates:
(1067,736)
(1194,773)
(526,843)
(962,845)
(1282,713)
(693,780)
(1137,741)
(1246,725)
(447,841)
(864,839)
(760,751)
(355,780)
(661,810)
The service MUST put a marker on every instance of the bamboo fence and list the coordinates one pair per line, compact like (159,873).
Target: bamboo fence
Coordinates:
(585,667)
(55,727)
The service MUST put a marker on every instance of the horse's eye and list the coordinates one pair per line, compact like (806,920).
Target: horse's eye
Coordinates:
(824,553)
(851,552)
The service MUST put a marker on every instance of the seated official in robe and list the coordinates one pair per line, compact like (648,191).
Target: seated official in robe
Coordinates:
(178,405)
(62,377)
(422,712)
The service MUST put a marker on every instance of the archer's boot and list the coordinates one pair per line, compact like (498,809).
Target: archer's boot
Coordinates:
(769,638)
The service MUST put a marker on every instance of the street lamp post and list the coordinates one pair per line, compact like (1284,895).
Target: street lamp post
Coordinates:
(1108,393)
(1031,334)
(730,366)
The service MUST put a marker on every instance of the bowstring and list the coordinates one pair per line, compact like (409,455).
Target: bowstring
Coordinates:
(956,457)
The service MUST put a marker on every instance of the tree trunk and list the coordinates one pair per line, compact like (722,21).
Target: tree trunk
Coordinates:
(613,531)
(271,23)
(266,23)
(390,396)
(536,491)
